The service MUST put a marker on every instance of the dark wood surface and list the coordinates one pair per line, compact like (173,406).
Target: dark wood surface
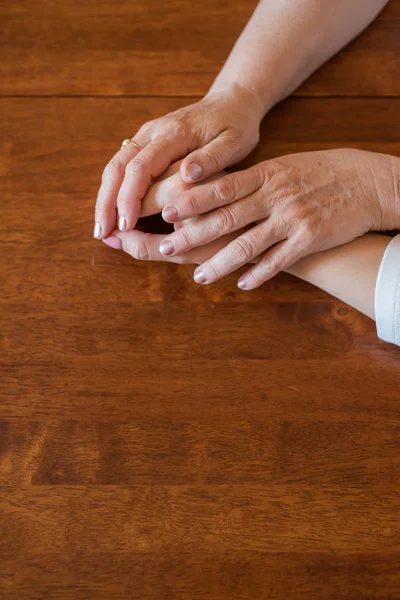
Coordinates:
(161,440)
(163,48)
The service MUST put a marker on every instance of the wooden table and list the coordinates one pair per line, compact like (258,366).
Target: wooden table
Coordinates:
(161,440)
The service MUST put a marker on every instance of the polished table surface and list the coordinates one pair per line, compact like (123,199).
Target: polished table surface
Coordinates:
(158,439)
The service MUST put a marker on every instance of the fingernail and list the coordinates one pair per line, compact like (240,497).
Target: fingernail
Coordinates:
(193,171)
(170,214)
(199,277)
(242,284)
(122,223)
(166,247)
(97,231)
(113,241)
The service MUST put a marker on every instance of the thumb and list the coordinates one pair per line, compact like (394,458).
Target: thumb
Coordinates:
(211,159)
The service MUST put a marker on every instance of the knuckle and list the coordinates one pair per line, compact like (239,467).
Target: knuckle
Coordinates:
(178,128)
(295,188)
(292,214)
(277,167)
(213,271)
(192,204)
(243,250)
(114,168)
(172,126)
(259,176)
(159,126)
(306,234)
(224,220)
(212,158)
(224,190)
(135,166)
(147,128)
(257,278)
(286,179)
(184,238)
(272,264)
(142,252)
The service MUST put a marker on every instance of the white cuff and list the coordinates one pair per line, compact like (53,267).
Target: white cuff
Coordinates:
(387,294)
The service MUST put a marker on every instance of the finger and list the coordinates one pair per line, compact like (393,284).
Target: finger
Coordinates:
(148,164)
(160,193)
(242,250)
(164,191)
(276,259)
(140,245)
(211,159)
(222,191)
(106,203)
(206,228)
(145,246)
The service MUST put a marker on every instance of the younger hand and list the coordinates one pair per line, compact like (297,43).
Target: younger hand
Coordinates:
(219,130)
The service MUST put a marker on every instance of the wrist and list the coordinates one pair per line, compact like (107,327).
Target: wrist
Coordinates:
(246,94)
(386,183)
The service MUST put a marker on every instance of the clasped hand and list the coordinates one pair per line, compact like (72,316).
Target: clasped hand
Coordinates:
(271,214)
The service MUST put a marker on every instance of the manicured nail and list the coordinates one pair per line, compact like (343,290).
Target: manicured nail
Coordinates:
(97,231)
(242,284)
(193,171)
(122,223)
(166,247)
(199,277)
(113,241)
(170,214)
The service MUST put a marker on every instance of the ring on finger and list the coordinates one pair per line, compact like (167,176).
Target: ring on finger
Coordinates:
(131,141)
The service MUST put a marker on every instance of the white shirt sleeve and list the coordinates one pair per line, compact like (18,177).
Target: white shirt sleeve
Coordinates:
(387,294)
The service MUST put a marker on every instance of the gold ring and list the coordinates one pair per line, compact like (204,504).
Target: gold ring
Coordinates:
(127,141)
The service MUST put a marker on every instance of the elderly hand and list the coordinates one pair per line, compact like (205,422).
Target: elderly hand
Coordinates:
(282,210)
(219,130)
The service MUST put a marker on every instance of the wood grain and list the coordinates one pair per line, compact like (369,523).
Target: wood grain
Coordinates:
(198,518)
(136,48)
(158,439)
(139,452)
(243,575)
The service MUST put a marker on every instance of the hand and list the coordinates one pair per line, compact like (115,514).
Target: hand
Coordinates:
(219,130)
(145,246)
(291,207)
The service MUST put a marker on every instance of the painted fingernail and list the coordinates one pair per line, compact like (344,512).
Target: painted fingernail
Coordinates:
(97,231)
(113,241)
(193,171)
(122,223)
(170,214)
(242,284)
(166,247)
(199,277)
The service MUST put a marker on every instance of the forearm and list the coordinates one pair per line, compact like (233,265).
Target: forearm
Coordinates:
(286,40)
(348,272)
